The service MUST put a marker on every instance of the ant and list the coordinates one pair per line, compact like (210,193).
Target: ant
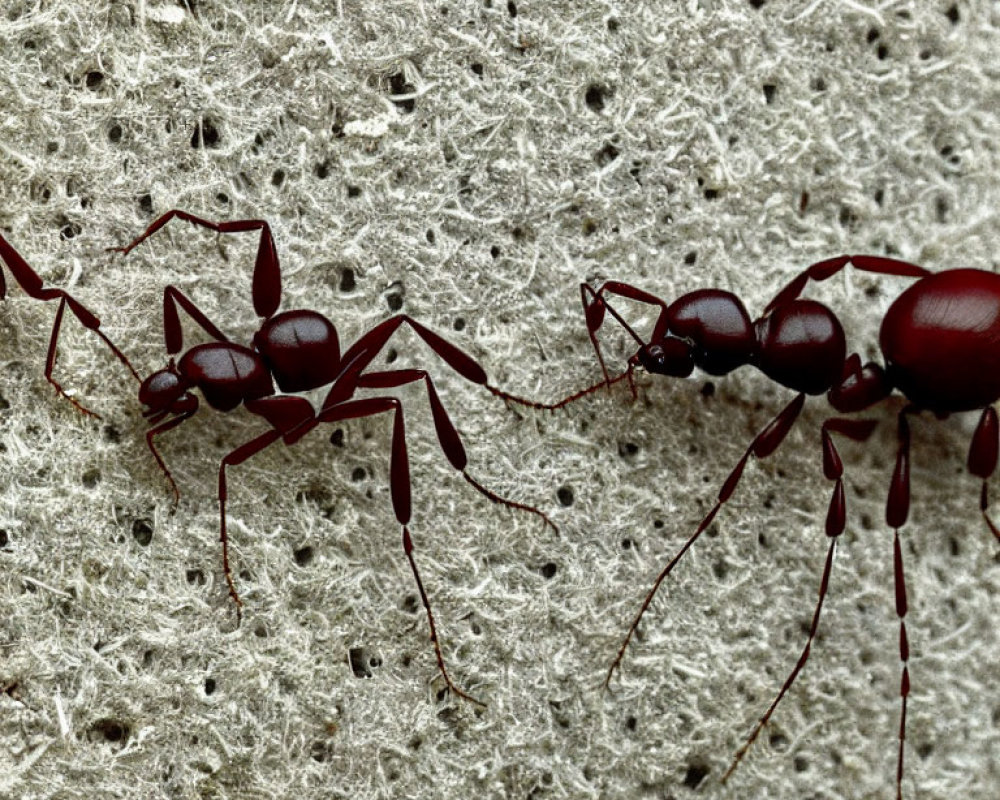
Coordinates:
(33,285)
(939,341)
(299,351)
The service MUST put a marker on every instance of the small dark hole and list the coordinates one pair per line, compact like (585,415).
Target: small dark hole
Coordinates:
(512,8)
(631,722)
(952,15)
(205,135)
(695,775)
(801,764)
(195,577)
(494,251)
(565,495)
(430,236)
(394,298)
(690,258)
(613,24)
(589,227)
(115,133)
(778,741)
(399,86)
(924,750)
(110,730)
(626,544)
(548,570)
(322,170)
(606,154)
(70,231)
(337,438)
(4,538)
(91,478)
(411,604)
(757,3)
(353,191)
(769,91)
(459,324)
(359,662)
(595,97)
(391,355)
(477,69)
(304,555)
(278,177)
(872,35)
(146,204)
(209,685)
(882,52)
(142,531)
(358,474)
(347,282)
(94,79)
(628,450)
(708,390)
(711,194)
(222,199)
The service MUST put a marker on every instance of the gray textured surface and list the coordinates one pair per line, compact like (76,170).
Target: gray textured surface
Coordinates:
(489,201)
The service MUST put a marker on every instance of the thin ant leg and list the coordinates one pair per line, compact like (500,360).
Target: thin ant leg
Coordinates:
(163,427)
(266,287)
(829,267)
(594,307)
(523,401)
(172,332)
(836,518)
(896,511)
(983,458)
(34,287)
(447,434)
(237,456)
(594,313)
(399,484)
(765,443)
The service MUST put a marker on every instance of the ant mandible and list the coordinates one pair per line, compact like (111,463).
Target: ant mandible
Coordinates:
(941,343)
(33,285)
(299,351)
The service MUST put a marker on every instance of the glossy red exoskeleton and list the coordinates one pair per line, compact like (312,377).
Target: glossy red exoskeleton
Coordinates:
(33,285)
(299,351)
(941,343)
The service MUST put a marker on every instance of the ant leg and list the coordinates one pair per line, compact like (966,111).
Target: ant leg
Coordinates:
(983,458)
(399,485)
(896,511)
(163,427)
(836,517)
(237,456)
(822,270)
(266,288)
(447,434)
(172,332)
(765,443)
(34,287)
(594,307)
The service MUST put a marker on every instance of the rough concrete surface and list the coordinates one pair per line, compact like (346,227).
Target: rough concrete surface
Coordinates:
(470,163)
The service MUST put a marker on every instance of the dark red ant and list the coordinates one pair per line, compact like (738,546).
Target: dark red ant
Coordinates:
(939,339)
(34,286)
(299,351)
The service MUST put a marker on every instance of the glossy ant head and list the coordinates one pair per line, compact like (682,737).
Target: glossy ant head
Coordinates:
(670,356)
(166,392)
